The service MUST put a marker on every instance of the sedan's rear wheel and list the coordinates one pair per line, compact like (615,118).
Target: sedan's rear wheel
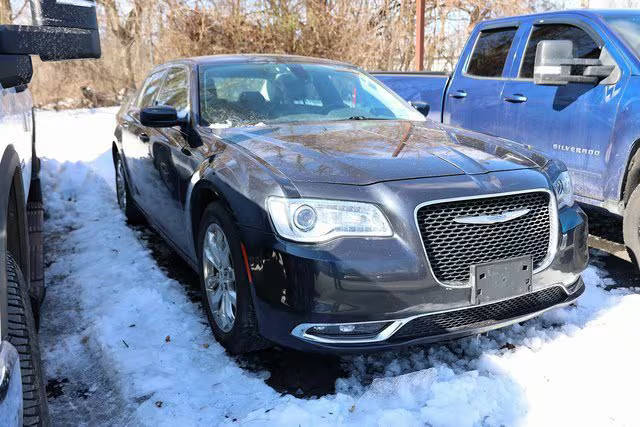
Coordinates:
(125,201)
(225,285)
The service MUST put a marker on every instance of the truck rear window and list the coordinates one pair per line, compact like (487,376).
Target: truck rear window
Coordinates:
(490,52)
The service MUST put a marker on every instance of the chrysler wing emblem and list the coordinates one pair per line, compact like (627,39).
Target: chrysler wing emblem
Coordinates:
(491,219)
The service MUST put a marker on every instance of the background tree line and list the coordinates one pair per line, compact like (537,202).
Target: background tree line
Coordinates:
(374,34)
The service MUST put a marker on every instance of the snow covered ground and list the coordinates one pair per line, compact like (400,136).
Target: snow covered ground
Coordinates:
(116,324)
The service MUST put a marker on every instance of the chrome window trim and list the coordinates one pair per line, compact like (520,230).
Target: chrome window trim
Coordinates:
(553,229)
(300,331)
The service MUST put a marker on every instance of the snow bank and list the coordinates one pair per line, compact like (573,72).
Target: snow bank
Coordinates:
(571,366)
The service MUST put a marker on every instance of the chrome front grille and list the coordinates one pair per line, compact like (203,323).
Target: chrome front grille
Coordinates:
(452,247)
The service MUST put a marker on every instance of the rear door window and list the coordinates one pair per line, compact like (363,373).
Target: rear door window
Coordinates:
(490,52)
(150,89)
(583,46)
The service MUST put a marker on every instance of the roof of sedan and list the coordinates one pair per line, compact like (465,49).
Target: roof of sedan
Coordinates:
(252,57)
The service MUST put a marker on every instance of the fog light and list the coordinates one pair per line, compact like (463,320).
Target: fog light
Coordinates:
(348,329)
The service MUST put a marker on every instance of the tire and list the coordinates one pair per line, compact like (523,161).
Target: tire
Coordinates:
(23,336)
(242,335)
(123,195)
(631,227)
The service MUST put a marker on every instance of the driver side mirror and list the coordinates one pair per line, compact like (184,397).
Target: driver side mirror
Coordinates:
(422,107)
(554,59)
(159,117)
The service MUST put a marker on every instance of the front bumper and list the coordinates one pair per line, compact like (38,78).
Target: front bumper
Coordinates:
(356,280)
(447,325)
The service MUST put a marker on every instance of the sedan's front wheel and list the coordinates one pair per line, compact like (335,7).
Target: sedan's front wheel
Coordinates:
(225,284)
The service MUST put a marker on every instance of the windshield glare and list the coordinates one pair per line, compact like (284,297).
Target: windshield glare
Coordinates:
(628,29)
(267,93)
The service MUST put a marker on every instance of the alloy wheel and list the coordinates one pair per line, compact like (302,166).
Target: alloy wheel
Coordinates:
(219,277)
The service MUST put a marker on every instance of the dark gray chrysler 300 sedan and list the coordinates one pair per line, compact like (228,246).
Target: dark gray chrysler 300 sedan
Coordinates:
(322,212)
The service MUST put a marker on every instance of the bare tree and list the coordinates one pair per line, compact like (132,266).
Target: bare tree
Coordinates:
(374,34)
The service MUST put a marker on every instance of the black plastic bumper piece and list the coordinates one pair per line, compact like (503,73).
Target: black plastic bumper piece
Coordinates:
(484,315)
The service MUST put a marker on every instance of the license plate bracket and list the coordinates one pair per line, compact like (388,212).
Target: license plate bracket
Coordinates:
(498,280)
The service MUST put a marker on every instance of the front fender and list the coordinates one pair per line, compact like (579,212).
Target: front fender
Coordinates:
(624,141)
(237,181)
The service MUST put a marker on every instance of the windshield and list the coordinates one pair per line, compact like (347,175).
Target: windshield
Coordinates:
(256,93)
(628,29)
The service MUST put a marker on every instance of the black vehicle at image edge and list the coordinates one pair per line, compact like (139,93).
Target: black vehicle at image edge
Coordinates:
(324,213)
(61,30)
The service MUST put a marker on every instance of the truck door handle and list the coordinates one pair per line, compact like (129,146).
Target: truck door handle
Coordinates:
(515,98)
(459,94)
(143,137)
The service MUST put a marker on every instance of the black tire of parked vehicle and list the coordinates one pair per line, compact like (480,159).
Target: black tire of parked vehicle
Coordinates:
(129,207)
(243,336)
(23,336)
(631,227)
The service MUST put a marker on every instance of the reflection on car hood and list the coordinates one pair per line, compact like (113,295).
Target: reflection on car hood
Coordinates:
(366,152)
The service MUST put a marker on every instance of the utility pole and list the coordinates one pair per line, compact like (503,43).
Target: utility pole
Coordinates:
(419,35)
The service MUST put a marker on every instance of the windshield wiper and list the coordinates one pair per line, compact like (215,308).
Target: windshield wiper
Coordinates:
(366,118)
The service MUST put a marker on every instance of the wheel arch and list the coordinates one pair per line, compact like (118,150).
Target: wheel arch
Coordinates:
(631,177)
(13,225)
(203,193)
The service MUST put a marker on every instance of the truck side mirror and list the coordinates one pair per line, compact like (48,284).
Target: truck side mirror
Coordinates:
(15,70)
(61,30)
(553,62)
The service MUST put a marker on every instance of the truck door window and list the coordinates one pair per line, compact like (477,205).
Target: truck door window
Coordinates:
(490,52)
(149,89)
(175,91)
(583,46)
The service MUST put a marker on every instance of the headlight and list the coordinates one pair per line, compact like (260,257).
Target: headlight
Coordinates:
(563,189)
(318,220)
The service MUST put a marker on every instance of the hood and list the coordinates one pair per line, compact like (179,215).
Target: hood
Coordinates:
(366,152)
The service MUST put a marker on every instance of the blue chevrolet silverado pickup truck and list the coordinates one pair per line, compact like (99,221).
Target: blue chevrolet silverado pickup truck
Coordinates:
(564,83)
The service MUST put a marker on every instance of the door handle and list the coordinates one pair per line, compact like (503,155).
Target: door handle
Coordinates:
(459,94)
(143,137)
(515,98)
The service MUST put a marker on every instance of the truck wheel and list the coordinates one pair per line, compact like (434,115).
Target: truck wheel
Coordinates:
(225,287)
(125,201)
(23,336)
(631,227)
